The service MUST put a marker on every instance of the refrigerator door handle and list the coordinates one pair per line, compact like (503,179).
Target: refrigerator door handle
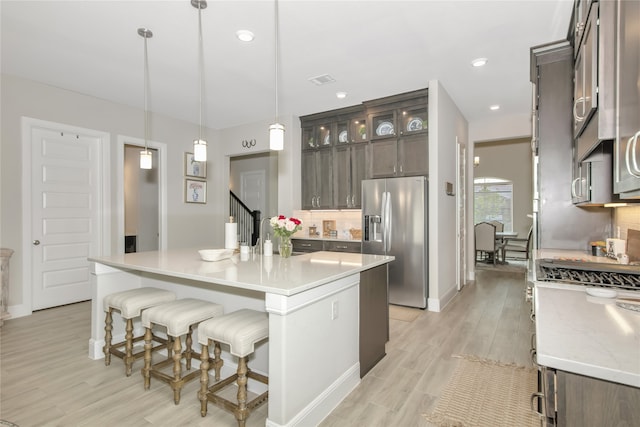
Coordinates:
(383,225)
(389,221)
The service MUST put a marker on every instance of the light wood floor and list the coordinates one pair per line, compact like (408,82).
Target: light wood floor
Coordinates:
(47,378)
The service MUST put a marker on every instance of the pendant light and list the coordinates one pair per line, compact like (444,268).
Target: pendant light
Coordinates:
(276,130)
(200,145)
(146,159)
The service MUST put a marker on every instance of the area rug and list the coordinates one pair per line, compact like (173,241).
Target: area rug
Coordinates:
(485,393)
(405,314)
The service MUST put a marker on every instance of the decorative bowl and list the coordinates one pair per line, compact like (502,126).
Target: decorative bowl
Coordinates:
(215,254)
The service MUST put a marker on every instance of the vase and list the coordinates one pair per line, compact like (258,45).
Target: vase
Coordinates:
(285,247)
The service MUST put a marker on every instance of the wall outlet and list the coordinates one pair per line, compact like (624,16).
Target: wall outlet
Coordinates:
(334,310)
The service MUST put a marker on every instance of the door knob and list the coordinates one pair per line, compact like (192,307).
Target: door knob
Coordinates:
(36,242)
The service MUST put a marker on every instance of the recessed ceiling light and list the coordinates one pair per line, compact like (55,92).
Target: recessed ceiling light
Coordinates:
(494,107)
(479,62)
(245,35)
(341,95)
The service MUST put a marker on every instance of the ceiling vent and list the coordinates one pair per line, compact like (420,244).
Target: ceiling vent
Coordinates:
(322,80)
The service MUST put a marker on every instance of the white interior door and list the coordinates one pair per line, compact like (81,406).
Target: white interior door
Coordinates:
(65,229)
(253,190)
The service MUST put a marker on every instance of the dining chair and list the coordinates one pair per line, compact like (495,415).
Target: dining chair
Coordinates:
(485,241)
(518,245)
(499,225)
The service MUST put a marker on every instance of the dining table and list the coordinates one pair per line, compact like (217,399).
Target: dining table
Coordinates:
(505,234)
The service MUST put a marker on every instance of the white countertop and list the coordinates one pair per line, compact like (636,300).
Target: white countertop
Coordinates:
(274,274)
(573,255)
(586,335)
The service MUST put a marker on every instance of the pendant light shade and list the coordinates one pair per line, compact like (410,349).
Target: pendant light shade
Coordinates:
(200,145)
(276,130)
(276,137)
(146,160)
(199,150)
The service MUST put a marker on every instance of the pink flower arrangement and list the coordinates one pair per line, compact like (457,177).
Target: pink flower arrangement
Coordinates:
(285,227)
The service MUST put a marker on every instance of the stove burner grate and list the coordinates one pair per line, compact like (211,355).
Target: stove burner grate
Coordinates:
(554,273)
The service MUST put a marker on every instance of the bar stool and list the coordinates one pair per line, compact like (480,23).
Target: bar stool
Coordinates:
(130,304)
(179,317)
(241,330)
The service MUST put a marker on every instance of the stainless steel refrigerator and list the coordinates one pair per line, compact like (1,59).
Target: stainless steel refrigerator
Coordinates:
(395,222)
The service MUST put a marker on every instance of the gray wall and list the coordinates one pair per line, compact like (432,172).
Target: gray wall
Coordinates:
(255,162)
(449,125)
(188,224)
(194,225)
(510,159)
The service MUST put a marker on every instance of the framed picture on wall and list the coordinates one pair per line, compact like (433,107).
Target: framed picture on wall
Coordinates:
(194,168)
(195,191)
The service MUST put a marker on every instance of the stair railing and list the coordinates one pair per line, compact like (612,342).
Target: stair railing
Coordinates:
(248,220)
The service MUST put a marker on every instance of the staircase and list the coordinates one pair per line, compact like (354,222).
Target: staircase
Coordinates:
(248,220)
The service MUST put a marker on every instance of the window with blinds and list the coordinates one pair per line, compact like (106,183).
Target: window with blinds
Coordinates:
(493,201)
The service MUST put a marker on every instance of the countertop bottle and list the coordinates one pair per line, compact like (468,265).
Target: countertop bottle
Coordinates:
(268,247)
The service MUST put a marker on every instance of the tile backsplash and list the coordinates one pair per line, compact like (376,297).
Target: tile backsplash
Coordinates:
(345,221)
(626,217)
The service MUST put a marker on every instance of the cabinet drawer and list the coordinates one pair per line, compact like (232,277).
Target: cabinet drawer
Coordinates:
(306,245)
(353,247)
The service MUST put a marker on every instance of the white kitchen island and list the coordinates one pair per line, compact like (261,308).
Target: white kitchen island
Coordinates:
(313,301)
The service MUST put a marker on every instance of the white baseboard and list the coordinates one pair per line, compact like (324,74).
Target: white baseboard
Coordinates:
(326,402)
(20,310)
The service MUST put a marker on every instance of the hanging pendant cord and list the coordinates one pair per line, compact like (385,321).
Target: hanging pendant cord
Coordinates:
(276,55)
(200,65)
(146,77)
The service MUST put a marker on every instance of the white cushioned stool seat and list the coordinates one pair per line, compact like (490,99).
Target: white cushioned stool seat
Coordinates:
(130,304)
(241,330)
(179,317)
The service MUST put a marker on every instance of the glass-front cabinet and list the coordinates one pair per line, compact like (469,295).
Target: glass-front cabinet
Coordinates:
(414,121)
(382,138)
(317,163)
(358,128)
(318,135)
(399,135)
(585,79)
(383,125)
(350,157)
(333,158)
(351,130)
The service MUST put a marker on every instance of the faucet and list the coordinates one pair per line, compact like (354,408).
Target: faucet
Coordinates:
(260,241)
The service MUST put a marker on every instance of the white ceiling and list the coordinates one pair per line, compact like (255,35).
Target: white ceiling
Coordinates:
(372,49)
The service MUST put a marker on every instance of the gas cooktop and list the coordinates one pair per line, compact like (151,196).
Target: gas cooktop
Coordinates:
(588,273)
